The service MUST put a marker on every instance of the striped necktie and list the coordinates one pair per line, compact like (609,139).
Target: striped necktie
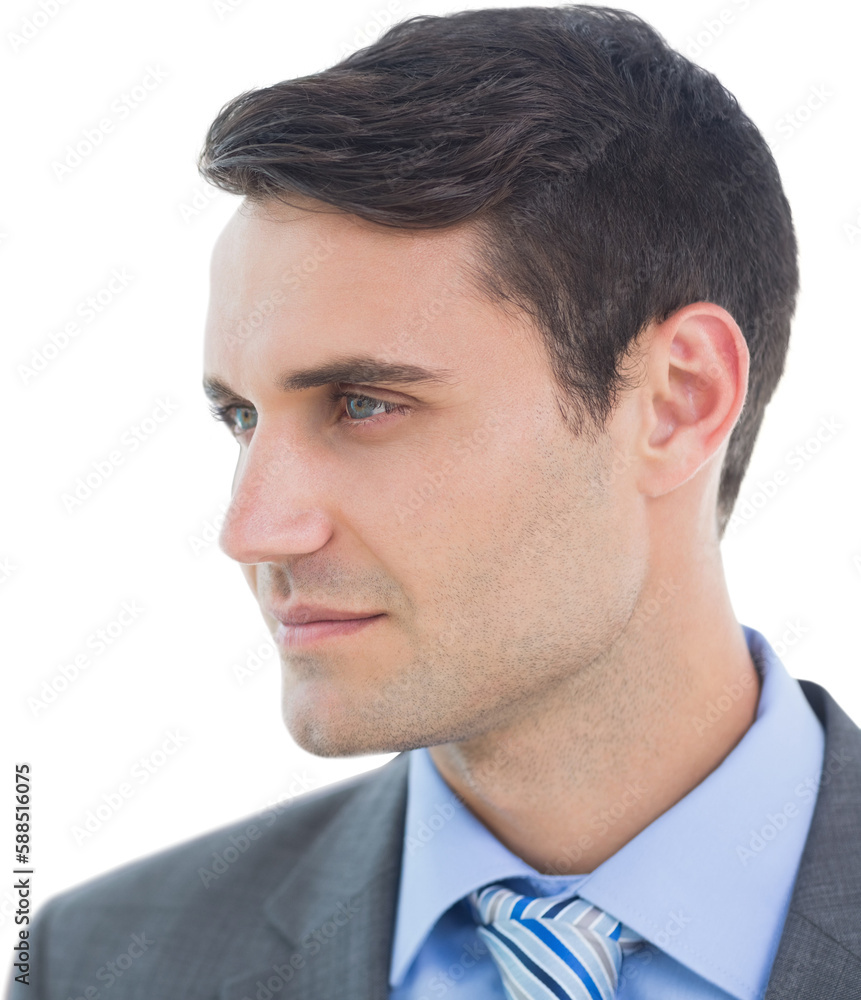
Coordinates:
(569,950)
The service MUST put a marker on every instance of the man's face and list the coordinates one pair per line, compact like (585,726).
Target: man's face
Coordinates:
(500,552)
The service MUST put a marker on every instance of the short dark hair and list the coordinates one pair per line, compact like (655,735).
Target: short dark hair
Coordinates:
(609,180)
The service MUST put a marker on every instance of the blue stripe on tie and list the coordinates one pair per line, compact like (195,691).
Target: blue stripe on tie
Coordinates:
(530,966)
(519,907)
(615,934)
(553,942)
(557,908)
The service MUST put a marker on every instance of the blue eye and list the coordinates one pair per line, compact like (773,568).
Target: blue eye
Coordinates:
(239,419)
(366,403)
(361,417)
(246,419)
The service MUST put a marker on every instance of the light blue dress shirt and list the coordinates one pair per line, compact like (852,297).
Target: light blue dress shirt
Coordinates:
(707,883)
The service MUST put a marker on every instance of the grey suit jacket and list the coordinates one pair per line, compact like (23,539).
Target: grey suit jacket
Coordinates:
(302,907)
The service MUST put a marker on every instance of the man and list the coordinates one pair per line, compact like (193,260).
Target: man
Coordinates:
(495,327)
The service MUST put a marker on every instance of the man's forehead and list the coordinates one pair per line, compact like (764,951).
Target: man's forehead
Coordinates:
(270,226)
(274,229)
(330,278)
(326,274)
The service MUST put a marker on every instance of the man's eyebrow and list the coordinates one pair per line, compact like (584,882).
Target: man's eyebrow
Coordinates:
(355,369)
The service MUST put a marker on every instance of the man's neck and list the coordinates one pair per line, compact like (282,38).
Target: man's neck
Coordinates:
(569,781)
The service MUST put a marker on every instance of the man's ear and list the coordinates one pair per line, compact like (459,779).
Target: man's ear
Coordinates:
(697,364)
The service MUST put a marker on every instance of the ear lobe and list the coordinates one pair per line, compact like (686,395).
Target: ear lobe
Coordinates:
(697,366)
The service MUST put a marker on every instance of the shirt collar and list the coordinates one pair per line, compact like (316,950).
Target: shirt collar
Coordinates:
(708,881)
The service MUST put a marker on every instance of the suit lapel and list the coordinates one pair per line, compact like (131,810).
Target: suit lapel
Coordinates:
(333,915)
(819,954)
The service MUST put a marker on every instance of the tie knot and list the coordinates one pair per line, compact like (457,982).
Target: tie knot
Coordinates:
(554,944)
(497,903)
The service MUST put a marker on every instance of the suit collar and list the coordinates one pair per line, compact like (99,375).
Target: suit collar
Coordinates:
(334,913)
(819,953)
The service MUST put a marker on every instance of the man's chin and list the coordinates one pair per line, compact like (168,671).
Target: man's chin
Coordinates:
(322,742)
(330,730)
(332,715)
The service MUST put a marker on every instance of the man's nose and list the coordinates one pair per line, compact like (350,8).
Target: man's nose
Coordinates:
(275,511)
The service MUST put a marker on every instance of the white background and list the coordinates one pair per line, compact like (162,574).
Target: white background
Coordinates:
(136,205)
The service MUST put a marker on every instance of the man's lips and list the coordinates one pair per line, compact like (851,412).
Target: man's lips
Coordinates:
(304,614)
(301,628)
